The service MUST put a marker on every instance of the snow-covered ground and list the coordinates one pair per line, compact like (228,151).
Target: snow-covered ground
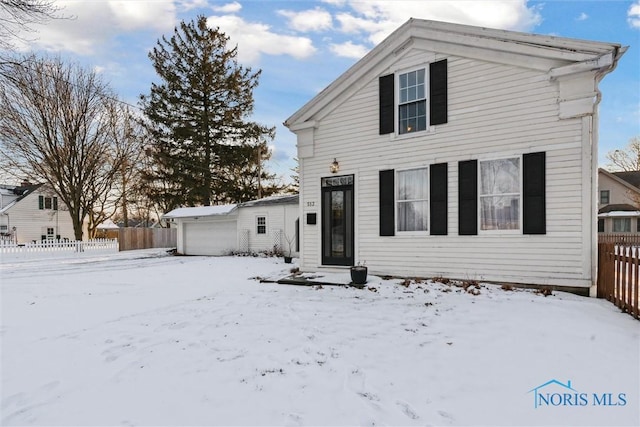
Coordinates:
(143,338)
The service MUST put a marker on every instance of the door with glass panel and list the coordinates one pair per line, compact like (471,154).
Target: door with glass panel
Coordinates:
(337,220)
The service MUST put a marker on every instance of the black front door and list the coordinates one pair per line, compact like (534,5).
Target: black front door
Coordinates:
(337,220)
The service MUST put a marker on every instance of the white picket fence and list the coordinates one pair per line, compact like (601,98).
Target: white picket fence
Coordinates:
(53,246)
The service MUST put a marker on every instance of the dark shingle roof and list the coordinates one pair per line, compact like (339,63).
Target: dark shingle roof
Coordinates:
(632,177)
(623,207)
(273,200)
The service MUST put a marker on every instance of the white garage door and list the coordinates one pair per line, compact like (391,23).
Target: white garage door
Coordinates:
(210,238)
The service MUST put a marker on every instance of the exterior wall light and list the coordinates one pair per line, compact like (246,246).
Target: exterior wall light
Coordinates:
(335,166)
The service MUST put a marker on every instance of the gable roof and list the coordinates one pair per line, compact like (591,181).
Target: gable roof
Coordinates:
(630,180)
(201,211)
(21,191)
(556,55)
(632,177)
(291,199)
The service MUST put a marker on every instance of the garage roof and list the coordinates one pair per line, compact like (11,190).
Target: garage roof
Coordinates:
(290,199)
(200,211)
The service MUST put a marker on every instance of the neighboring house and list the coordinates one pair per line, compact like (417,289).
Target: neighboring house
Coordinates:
(619,201)
(31,213)
(107,230)
(457,151)
(256,226)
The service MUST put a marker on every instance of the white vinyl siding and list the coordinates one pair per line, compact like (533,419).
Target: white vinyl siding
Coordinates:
(495,111)
(280,224)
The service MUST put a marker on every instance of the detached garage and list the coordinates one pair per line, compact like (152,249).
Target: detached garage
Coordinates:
(263,225)
(205,230)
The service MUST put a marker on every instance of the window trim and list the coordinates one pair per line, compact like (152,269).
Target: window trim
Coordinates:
(396,101)
(397,200)
(519,230)
(608,193)
(258,225)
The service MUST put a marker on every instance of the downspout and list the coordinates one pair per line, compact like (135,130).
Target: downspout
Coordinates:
(595,139)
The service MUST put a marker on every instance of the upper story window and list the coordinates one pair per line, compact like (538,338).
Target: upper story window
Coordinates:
(403,99)
(604,197)
(261,225)
(412,200)
(500,194)
(412,102)
(46,202)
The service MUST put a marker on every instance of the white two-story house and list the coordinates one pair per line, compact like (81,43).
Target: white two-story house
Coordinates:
(457,151)
(32,212)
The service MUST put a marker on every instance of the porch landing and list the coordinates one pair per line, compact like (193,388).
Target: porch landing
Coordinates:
(315,279)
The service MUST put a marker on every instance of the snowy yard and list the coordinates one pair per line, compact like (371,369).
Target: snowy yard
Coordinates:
(143,338)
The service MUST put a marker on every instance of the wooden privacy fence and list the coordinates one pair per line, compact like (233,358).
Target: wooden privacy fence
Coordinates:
(147,238)
(619,275)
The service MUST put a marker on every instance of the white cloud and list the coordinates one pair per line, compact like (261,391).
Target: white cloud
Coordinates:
(95,23)
(583,17)
(131,15)
(316,19)
(633,15)
(349,50)
(187,5)
(254,39)
(338,3)
(234,7)
(379,18)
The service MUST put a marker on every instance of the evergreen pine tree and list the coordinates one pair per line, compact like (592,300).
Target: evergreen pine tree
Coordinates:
(198,119)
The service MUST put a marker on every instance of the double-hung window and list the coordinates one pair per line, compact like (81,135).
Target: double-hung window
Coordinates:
(500,194)
(261,225)
(46,202)
(412,200)
(604,197)
(412,101)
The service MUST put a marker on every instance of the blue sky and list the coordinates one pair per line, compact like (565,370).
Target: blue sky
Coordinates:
(302,46)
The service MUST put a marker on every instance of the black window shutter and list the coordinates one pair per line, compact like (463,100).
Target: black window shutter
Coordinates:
(438,92)
(468,198)
(534,200)
(40,202)
(387,203)
(387,104)
(55,203)
(438,196)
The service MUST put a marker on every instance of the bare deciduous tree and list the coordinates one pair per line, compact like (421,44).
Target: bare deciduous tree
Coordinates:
(54,128)
(627,159)
(18,16)
(126,135)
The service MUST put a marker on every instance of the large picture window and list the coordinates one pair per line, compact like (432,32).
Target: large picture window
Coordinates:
(412,102)
(500,194)
(412,202)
